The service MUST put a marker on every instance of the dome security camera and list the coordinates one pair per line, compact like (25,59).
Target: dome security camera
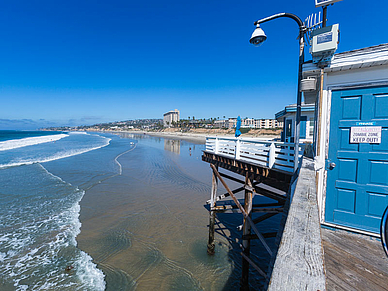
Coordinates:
(258,36)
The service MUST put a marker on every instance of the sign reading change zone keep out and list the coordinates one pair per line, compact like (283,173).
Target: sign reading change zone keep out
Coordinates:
(365,134)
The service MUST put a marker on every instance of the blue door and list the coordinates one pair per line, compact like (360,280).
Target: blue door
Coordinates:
(357,181)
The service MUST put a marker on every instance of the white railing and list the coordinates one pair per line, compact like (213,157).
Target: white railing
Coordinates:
(270,154)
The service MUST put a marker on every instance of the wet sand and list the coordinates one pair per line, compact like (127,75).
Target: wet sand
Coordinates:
(147,228)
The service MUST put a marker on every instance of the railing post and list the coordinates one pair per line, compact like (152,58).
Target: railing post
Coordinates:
(296,156)
(271,156)
(216,145)
(237,149)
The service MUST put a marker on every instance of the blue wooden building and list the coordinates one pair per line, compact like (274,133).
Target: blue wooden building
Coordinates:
(288,117)
(352,138)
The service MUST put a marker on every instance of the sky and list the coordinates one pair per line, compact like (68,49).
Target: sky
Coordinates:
(86,62)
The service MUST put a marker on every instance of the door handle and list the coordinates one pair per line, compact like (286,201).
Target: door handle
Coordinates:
(329,165)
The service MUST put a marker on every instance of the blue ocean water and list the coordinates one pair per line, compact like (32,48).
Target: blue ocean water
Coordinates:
(43,177)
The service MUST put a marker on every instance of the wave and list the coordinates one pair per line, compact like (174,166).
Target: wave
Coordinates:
(29,141)
(53,157)
(38,240)
(78,132)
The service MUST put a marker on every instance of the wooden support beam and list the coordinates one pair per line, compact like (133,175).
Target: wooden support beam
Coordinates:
(266,235)
(260,271)
(259,219)
(268,210)
(231,178)
(267,205)
(263,217)
(261,238)
(218,198)
(270,194)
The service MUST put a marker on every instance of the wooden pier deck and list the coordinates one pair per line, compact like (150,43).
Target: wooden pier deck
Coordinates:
(354,261)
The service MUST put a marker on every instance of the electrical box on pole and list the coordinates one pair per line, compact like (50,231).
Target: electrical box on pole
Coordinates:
(319,3)
(324,43)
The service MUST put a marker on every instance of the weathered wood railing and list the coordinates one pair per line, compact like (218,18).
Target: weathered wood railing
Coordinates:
(270,154)
(299,263)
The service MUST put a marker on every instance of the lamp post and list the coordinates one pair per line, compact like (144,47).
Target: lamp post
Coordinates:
(257,38)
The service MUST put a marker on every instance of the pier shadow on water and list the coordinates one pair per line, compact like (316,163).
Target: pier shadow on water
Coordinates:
(227,227)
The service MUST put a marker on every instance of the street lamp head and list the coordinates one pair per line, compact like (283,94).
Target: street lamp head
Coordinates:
(258,36)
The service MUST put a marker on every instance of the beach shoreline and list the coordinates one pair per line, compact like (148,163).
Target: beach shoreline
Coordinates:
(199,137)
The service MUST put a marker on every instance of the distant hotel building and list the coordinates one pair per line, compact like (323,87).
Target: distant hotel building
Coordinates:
(249,123)
(170,117)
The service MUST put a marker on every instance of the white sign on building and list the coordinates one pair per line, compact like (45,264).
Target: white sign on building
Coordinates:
(365,134)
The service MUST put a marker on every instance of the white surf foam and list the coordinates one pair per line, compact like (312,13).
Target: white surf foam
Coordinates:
(29,141)
(57,156)
(38,251)
(78,132)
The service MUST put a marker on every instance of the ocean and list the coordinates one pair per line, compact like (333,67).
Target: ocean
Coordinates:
(94,211)
(39,210)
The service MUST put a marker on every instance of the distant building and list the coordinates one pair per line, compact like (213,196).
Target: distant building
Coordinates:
(268,123)
(170,118)
(221,123)
(248,123)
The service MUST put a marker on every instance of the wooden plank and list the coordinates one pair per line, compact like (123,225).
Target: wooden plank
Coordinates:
(299,261)
(354,261)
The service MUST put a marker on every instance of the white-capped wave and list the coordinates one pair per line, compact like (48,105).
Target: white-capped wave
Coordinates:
(56,156)
(29,141)
(78,132)
(41,244)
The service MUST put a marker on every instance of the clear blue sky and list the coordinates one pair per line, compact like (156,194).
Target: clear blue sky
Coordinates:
(85,62)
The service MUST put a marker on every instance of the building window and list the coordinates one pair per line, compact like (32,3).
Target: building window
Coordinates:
(288,128)
(311,126)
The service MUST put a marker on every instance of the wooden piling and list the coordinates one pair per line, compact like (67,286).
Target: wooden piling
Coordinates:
(212,214)
(246,243)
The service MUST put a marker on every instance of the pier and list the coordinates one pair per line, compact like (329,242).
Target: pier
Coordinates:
(305,256)
(266,168)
